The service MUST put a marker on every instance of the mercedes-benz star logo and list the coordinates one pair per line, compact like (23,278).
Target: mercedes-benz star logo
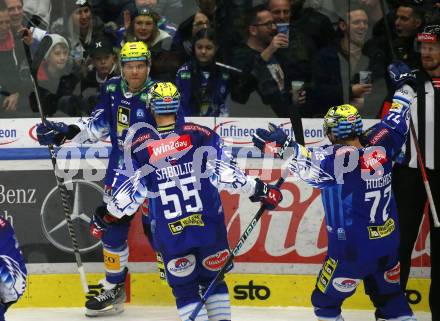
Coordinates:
(85,197)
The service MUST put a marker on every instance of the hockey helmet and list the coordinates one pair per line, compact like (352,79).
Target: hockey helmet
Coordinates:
(164,98)
(431,33)
(343,121)
(135,51)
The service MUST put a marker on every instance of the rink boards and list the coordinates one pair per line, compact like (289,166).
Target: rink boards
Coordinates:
(64,290)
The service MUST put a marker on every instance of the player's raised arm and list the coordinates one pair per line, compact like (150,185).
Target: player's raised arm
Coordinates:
(308,164)
(226,175)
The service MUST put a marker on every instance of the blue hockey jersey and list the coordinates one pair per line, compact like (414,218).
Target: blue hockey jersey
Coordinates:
(180,171)
(12,268)
(355,183)
(116,111)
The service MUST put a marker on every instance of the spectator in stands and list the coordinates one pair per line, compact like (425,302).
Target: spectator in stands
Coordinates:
(408,20)
(337,69)
(316,26)
(203,85)
(164,22)
(22,29)
(104,66)
(264,69)
(9,81)
(173,10)
(182,42)
(57,81)
(143,27)
(224,18)
(80,28)
(297,55)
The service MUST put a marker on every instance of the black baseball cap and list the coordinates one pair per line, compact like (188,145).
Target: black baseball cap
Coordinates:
(101,46)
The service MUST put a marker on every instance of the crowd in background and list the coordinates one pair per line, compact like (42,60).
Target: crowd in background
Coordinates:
(227,57)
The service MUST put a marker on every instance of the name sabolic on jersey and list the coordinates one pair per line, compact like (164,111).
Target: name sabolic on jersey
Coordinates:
(355,183)
(180,171)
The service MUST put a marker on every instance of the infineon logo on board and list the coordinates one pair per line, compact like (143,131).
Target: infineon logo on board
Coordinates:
(7,136)
(239,132)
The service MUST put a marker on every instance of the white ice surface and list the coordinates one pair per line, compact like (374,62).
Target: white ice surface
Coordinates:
(138,313)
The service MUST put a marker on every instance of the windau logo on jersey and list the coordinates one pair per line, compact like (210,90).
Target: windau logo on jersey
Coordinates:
(393,275)
(168,147)
(215,262)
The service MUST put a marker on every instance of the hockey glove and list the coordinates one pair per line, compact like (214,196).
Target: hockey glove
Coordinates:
(401,74)
(55,133)
(101,221)
(269,195)
(268,141)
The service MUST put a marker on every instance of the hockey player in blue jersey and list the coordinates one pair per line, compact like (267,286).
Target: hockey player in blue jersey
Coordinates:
(12,268)
(122,103)
(180,169)
(359,206)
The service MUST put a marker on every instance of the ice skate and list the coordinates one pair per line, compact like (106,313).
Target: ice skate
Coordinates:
(109,302)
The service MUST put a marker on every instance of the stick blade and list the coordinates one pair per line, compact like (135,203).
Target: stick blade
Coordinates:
(42,49)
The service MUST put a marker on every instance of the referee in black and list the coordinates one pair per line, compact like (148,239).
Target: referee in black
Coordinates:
(408,185)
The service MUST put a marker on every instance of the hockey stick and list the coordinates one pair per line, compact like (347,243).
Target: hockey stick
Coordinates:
(413,133)
(234,253)
(34,64)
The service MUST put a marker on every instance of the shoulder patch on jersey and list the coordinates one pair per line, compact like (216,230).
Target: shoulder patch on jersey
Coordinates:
(185,74)
(111,88)
(378,136)
(142,138)
(143,97)
(194,127)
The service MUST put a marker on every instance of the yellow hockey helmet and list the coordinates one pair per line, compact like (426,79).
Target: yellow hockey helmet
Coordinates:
(135,51)
(343,121)
(164,98)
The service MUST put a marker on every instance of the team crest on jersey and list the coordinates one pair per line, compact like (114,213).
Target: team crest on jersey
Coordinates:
(123,121)
(160,149)
(140,114)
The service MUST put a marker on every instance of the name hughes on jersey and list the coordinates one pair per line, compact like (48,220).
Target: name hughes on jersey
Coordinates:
(174,171)
(380,182)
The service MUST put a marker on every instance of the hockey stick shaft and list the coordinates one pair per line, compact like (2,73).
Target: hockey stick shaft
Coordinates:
(413,132)
(33,65)
(233,253)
